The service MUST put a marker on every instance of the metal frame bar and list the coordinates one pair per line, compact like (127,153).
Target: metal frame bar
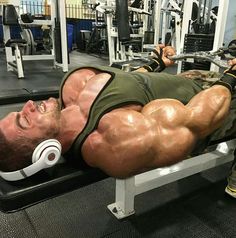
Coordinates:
(117,52)
(127,189)
(64,49)
(187,10)
(19,65)
(16,63)
(220,28)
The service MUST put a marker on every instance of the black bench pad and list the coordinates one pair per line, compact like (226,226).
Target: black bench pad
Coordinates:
(11,42)
(62,178)
(21,95)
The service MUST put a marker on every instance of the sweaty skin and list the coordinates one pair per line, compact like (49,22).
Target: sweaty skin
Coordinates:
(128,140)
(134,139)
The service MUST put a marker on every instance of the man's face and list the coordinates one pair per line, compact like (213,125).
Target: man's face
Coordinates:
(33,121)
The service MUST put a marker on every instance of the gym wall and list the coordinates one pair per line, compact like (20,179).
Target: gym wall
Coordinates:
(230,29)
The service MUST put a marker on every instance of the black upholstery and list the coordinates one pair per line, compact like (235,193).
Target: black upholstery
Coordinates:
(62,178)
(11,42)
(9,15)
(10,18)
(22,95)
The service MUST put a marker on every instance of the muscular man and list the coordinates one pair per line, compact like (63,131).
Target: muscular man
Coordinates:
(123,123)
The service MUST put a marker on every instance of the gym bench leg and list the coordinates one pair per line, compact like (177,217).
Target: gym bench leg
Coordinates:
(125,192)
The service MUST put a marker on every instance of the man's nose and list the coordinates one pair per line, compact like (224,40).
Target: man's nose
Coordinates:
(29,106)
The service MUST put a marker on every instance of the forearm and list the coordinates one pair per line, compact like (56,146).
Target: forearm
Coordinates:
(209,108)
(214,103)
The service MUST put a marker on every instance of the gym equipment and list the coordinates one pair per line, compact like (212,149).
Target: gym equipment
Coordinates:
(68,175)
(10,18)
(219,28)
(64,177)
(95,41)
(121,46)
(232,47)
(122,16)
(195,43)
(201,22)
(127,189)
(21,95)
(219,58)
(17,65)
(45,155)
(205,56)
(169,16)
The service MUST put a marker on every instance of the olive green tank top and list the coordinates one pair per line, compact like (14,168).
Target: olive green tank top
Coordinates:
(131,88)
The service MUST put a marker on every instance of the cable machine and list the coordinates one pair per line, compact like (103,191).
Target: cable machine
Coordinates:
(202,21)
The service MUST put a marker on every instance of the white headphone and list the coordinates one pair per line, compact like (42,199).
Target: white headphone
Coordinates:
(45,155)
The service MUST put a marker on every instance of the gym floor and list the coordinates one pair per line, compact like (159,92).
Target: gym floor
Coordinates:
(193,207)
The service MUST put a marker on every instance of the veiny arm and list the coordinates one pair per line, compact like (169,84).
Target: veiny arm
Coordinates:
(208,110)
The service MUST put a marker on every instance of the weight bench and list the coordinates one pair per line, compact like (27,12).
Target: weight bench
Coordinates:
(11,96)
(14,61)
(67,176)
(46,184)
(127,189)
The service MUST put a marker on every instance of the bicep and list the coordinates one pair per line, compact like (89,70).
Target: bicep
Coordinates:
(123,126)
(202,115)
(168,113)
(125,143)
(133,142)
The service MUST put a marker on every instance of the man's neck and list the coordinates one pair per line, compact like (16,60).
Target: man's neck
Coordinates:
(72,123)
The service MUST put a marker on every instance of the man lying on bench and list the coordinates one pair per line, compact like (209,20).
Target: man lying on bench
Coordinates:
(123,123)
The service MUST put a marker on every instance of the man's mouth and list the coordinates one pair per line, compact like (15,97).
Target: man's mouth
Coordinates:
(41,107)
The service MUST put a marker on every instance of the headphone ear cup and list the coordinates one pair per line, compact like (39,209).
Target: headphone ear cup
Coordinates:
(45,155)
(48,151)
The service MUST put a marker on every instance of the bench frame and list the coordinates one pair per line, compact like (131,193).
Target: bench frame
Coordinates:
(127,189)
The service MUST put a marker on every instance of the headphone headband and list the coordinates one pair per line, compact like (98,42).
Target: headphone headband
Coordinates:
(45,155)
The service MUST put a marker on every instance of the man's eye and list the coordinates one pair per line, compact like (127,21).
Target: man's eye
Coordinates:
(23,122)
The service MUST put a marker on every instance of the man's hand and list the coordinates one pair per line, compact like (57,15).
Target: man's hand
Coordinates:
(165,52)
(159,59)
(232,63)
(228,79)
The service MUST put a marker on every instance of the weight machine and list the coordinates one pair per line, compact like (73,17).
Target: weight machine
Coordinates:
(218,36)
(181,19)
(169,16)
(122,36)
(189,24)
(57,23)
